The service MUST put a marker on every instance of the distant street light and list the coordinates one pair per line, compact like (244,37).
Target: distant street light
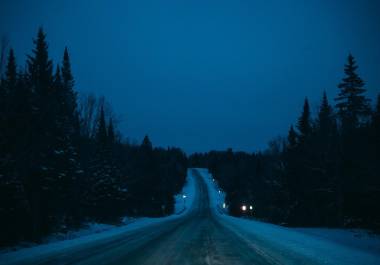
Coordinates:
(224,205)
(243,208)
(250,207)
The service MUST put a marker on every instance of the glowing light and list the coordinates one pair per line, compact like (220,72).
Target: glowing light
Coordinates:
(250,207)
(184,196)
(220,191)
(224,205)
(243,208)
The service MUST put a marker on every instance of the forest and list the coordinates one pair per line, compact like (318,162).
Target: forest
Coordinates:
(63,161)
(326,172)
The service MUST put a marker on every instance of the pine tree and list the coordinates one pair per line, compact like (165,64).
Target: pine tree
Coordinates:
(101,134)
(111,133)
(292,138)
(376,115)
(2,117)
(57,79)
(13,204)
(325,121)
(70,94)
(376,127)
(148,179)
(353,106)
(11,72)
(105,191)
(45,176)
(146,144)
(7,88)
(40,67)
(70,133)
(304,122)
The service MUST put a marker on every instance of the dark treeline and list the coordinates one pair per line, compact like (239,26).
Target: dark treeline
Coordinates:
(62,160)
(325,173)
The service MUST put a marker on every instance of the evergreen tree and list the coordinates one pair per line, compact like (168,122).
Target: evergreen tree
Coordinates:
(46,174)
(41,180)
(13,203)
(101,133)
(376,128)
(376,116)
(105,193)
(304,122)
(292,138)
(40,67)
(353,106)
(57,80)
(70,94)
(11,72)
(146,144)
(325,121)
(7,88)
(111,133)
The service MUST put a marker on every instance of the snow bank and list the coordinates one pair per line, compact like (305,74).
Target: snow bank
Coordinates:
(97,232)
(55,247)
(184,200)
(327,246)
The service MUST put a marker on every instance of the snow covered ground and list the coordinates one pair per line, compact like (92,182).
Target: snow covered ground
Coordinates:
(326,246)
(192,235)
(185,199)
(95,232)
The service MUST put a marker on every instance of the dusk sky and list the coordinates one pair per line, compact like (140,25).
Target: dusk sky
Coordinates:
(207,74)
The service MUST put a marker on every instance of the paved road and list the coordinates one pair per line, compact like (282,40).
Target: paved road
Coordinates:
(197,238)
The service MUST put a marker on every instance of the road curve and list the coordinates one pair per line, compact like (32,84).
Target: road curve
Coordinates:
(196,238)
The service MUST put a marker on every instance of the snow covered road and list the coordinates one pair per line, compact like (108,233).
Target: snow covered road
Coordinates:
(201,235)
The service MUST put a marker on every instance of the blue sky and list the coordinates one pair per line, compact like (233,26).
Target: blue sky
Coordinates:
(206,74)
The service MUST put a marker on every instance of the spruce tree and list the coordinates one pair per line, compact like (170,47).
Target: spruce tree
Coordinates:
(149,181)
(292,138)
(40,67)
(71,134)
(304,122)
(43,181)
(11,72)
(111,133)
(353,107)
(7,88)
(105,192)
(146,144)
(376,128)
(70,94)
(325,120)
(13,204)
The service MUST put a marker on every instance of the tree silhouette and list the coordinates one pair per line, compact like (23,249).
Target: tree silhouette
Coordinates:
(353,106)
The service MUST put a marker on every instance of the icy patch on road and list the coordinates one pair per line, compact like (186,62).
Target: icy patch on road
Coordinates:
(95,232)
(326,246)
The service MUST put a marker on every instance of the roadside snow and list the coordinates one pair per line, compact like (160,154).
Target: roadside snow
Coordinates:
(327,246)
(97,232)
(88,229)
(184,200)
(55,247)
